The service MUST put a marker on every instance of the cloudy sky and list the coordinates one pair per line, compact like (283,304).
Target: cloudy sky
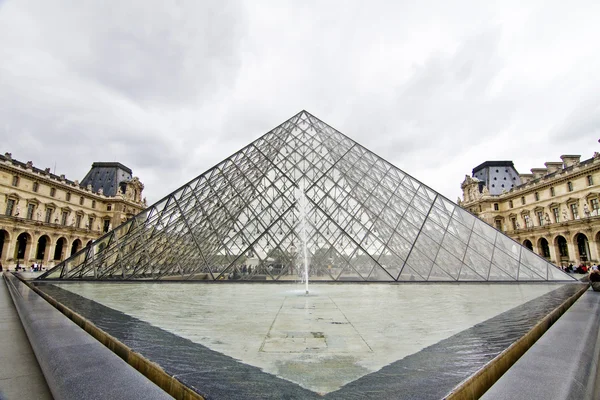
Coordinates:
(170,88)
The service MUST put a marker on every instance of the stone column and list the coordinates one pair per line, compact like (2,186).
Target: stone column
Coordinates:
(535,246)
(51,250)
(29,251)
(592,248)
(10,252)
(573,253)
(554,254)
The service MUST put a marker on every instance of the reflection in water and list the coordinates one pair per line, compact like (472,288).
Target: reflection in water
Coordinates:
(354,330)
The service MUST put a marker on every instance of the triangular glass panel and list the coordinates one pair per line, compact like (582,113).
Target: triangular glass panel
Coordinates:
(439,274)
(498,274)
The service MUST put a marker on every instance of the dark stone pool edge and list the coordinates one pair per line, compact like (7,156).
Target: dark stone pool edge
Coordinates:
(372,384)
(477,384)
(149,369)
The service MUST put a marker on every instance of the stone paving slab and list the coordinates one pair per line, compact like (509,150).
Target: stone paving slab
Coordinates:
(20,373)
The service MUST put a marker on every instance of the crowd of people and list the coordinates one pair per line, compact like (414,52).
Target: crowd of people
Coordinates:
(35,267)
(580,269)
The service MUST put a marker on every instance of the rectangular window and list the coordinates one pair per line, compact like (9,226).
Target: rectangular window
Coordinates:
(514,223)
(108,207)
(30,209)
(52,192)
(570,186)
(595,205)
(15,181)
(552,191)
(537,196)
(78,221)
(48,217)
(590,180)
(35,186)
(574,211)
(93,203)
(556,215)
(68,196)
(91,223)
(496,207)
(510,204)
(10,205)
(63,218)
(81,201)
(540,216)
(523,200)
(499,225)
(106,225)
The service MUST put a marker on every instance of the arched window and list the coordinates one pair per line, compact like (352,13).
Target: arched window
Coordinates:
(563,250)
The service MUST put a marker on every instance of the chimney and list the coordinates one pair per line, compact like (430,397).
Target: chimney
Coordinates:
(525,178)
(553,166)
(570,160)
(539,172)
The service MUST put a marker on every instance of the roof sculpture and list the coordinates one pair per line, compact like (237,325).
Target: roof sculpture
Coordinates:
(363,219)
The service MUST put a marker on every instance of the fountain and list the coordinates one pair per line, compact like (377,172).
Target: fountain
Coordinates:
(302,203)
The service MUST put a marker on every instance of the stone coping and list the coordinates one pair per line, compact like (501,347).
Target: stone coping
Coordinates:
(429,374)
(563,364)
(75,365)
(475,386)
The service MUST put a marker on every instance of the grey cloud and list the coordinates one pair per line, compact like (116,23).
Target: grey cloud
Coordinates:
(171,88)
(168,52)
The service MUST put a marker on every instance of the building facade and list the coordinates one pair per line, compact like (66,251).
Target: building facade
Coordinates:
(46,218)
(554,211)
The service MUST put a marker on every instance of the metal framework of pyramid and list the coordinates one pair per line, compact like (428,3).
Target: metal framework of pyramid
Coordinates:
(306,186)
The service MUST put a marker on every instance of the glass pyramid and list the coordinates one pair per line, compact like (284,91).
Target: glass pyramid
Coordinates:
(305,188)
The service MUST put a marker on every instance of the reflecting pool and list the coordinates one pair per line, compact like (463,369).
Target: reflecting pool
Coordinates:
(338,334)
